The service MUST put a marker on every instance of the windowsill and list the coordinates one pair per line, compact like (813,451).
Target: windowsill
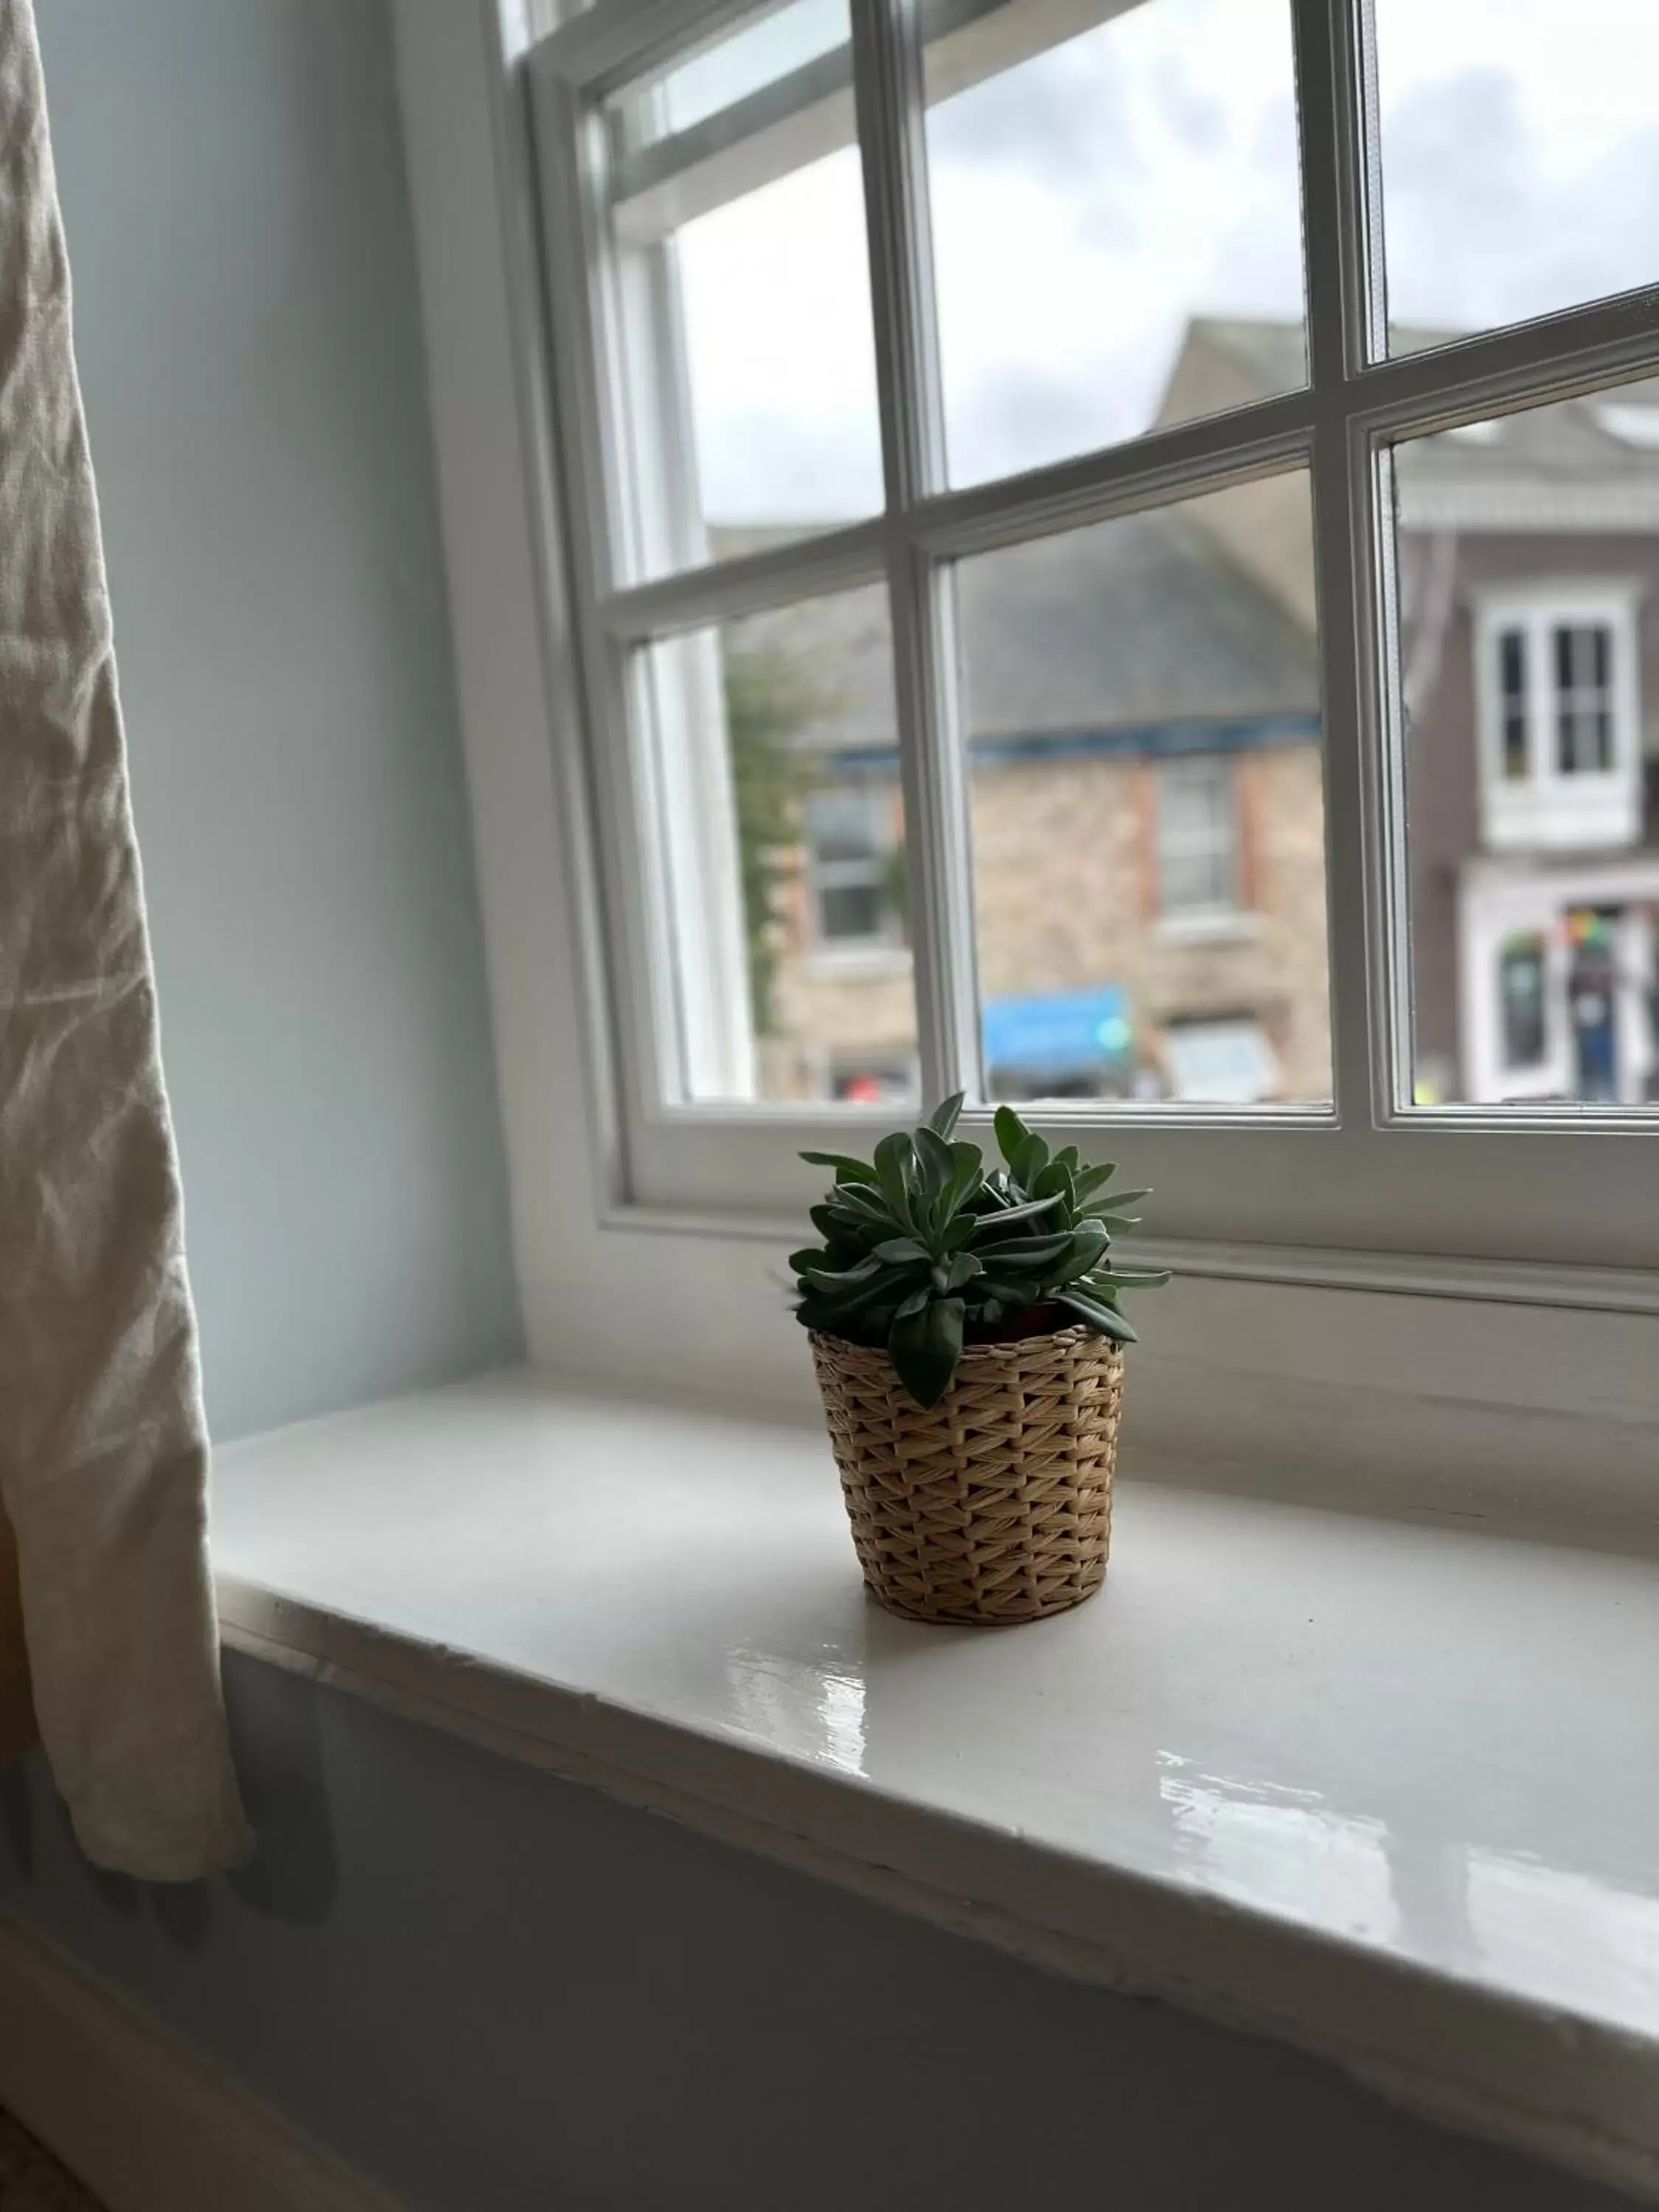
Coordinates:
(1231,927)
(1384,1792)
(852,963)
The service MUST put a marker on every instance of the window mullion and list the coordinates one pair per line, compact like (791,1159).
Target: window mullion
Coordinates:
(887,84)
(1345,330)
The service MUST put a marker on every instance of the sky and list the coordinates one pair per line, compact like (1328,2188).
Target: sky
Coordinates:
(1086,202)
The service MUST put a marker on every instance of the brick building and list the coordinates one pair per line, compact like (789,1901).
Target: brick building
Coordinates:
(1143,783)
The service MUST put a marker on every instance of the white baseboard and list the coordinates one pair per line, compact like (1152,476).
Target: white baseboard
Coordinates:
(145,2121)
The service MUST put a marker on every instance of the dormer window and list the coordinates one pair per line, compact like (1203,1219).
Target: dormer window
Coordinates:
(1557,680)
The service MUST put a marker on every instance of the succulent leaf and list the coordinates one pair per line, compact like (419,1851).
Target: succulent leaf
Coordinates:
(929,1241)
(847,1169)
(924,1347)
(942,1119)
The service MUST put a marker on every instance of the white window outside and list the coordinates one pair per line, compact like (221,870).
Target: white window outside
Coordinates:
(1558,687)
(690,360)
(1198,841)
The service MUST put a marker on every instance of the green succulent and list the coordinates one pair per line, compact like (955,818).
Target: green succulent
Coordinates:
(925,1249)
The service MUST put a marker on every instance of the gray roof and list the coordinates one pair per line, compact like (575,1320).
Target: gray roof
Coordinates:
(1604,436)
(1138,622)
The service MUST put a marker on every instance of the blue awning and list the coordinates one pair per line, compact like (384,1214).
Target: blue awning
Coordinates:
(1059,1033)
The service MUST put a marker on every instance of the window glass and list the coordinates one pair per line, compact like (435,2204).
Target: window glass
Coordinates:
(853,853)
(1117,224)
(1583,698)
(741,295)
(1528,560)
(1140,705)
(1223,1063)
(732,67)
(1520,144)
(779,852)
(1197,836)
(1512,678)
(1521,993)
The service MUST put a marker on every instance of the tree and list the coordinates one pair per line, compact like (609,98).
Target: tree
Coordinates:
(768,703)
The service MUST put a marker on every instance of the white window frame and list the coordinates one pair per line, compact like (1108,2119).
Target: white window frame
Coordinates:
(1377,1173)
(1548,810)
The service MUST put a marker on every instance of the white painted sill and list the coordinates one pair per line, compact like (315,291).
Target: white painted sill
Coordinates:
(1389,1793)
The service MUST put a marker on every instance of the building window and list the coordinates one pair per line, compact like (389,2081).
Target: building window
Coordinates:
(1583,698)
(813,376)
(1521,1003)
(1197,838)
(850,865)
(1558,696)
(1512,688)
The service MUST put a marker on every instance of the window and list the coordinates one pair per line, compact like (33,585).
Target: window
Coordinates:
(1521,993)
(1223,1061)
(1513,710)
(1197,839)
(851,865)
(1154,550)
(1558,697)
(1583,698)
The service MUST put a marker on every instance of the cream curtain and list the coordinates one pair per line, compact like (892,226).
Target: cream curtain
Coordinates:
(103,1451)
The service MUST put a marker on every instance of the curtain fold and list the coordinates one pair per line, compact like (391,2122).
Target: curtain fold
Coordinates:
(18,1729)
(103,1445)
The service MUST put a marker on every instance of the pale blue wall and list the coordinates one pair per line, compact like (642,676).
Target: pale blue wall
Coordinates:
(247,328)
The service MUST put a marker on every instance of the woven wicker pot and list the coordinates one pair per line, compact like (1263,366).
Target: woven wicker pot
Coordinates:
(995,1506)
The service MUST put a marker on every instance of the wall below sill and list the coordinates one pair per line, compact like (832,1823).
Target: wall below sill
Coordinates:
(486,1988)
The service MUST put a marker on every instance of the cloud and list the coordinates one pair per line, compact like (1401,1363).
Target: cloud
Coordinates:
(1020,416)
(1062,118)
(1495,210)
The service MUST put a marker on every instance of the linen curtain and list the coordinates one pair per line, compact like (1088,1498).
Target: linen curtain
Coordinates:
(103,1446)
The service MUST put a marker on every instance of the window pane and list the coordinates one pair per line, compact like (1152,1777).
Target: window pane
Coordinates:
(1520,992)
(842,823)
(772,760)
(1141,704)
(851,914)
(747,391)
(732,67)
(1519,169)
(1527,559)
(1512,652)
(1116,209)
(1198,835)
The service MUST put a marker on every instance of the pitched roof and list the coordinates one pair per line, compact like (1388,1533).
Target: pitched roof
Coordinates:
(1147,622)
(1610,435)
(1130,624)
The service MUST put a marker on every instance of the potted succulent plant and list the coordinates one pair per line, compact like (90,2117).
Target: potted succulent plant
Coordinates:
(968,1340)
